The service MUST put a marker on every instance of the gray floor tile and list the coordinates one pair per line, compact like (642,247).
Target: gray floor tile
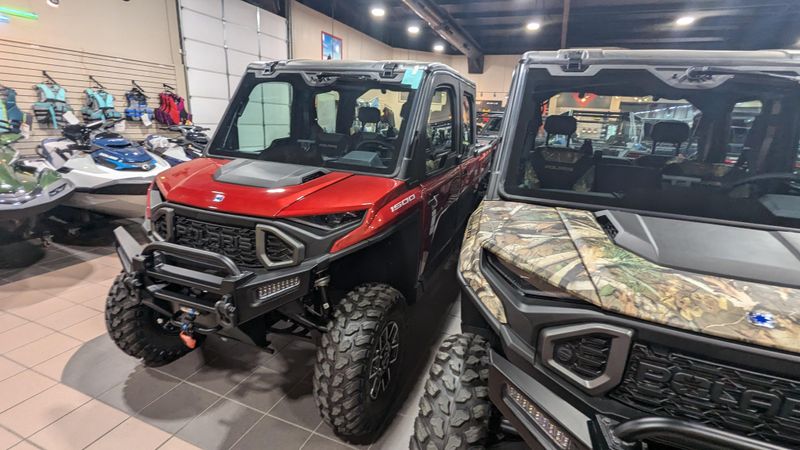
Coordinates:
(220,426)
(295,360)
(98,366)
(189,364)
(263,389)
(318,442)
(220,376)
(325,430)
(139,390)
(397,434)
(175,409)
(298,406)
(271,433)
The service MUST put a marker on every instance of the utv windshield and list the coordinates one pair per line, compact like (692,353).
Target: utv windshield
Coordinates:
(626,139)
(341,122)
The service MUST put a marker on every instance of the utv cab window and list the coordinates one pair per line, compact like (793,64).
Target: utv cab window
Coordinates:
(340,122)
(266,116)
(440,148)
(625,139)
(467,139)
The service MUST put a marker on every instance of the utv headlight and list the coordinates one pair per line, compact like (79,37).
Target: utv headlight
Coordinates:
(333,221)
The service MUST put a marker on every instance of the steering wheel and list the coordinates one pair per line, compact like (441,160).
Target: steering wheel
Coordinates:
(792,179)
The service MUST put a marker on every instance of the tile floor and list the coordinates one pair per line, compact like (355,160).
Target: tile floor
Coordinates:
(64,384)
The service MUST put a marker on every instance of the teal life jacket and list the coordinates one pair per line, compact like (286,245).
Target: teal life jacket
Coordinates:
(99,106)
(52,105)
(11,117)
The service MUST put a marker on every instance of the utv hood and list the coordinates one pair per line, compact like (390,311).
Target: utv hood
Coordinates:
(270,189)
(569,251)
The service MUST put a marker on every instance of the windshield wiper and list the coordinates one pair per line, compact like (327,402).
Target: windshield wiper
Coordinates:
(698,74)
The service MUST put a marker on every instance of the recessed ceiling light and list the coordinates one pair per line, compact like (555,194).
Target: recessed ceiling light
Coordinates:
(378,11)
(533,26)
(438,48)
(684,21)
(413,29)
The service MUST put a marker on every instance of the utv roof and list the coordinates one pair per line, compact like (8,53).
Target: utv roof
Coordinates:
(601,56)
(354,66)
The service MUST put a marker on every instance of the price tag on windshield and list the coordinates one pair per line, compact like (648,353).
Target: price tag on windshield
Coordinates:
(412,77)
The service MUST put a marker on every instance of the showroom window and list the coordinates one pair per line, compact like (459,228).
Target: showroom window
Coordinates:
(266,117)
(439,131)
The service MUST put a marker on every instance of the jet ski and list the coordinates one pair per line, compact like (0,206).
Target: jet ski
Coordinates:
(28,188)
(110,173)
(189,146)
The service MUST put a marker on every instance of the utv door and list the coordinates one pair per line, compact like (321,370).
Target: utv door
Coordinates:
(442,180)
(474,158)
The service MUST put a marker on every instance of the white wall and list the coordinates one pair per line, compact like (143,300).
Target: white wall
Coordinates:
(221,37)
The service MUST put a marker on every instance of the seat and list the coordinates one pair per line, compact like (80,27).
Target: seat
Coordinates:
(366,115)
(669,132)
(559,167)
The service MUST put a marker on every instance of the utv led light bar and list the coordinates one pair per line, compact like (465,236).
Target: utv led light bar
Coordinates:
(274,288)
(548,426)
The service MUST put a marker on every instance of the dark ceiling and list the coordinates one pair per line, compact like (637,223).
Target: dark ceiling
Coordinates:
(498,26)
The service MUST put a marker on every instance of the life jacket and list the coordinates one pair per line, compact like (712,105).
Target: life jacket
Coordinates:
(99,106)
(11,117)
(172,110)
(137,105)
(52,105)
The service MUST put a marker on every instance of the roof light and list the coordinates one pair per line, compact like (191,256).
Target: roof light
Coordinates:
(533,26)
(684,21)
(438,48)
(413,29)
(378,11)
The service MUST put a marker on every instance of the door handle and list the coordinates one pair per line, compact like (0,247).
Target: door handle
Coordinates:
(434,201)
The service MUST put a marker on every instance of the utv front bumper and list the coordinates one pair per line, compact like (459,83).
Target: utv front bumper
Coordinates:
(663,397)
(222,296)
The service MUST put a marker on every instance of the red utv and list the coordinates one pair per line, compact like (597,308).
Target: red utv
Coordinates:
(328,194)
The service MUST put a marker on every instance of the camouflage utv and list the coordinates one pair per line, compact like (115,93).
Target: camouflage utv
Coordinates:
(632,284)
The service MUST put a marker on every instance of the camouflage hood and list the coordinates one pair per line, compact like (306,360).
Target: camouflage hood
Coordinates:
(568,250)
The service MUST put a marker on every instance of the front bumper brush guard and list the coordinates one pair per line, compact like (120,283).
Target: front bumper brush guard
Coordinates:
(145,260)
(686,435)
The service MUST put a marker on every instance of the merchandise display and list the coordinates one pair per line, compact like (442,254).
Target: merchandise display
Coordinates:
(52,104)
(28,188)
(189,146)
(11,117)
(172,108)
(110,172)
(137,104)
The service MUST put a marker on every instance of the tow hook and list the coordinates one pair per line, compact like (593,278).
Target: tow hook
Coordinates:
(187,329)
(226,313)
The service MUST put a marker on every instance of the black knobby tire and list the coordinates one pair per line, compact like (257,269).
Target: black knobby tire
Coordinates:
(454,410)
(346,355)
(134,327)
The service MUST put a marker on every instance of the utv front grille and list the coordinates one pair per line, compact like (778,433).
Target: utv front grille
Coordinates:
(665,383)
(254,246)
(237,243)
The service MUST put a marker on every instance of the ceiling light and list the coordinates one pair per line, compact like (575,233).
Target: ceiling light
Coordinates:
(438,48)
(684,21)
(413,29)
(533,26)
(378,11)
(53,3)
